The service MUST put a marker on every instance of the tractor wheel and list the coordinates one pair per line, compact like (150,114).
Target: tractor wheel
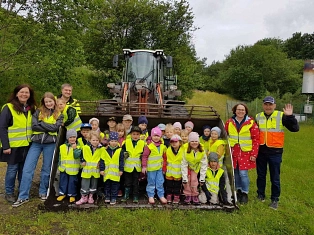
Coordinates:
(178,111)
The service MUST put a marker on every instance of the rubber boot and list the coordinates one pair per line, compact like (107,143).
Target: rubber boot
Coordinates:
(90,199)
(126,195)
(83,200)
(176,199)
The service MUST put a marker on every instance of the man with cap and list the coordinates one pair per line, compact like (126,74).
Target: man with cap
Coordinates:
(271,124)
(111,168)
(127,121)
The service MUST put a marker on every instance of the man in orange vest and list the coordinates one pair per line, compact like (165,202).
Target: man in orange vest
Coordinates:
(271,124)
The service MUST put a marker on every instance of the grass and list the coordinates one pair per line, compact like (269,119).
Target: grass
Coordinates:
(294,216)
(213,99)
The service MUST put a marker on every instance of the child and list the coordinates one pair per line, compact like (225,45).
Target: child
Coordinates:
(217,145)
(112,124)
(95,127)
(71,118)
(214,182)
(173,158)
(169,131)
(152,162)
(204,139)
(142,123)
(194,161)
(69,165)
(162,127)
(111,168)
(132,151)
(177,128)
(121,132)
(189,126)
(90,158)
(127,121)
(185,137)
(85,130)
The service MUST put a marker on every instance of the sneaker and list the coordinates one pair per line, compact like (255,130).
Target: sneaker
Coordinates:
(187,200)
(245,198)
(20,202)
(72,199)
(151,200)
(163,200)
(169,198)
(43,197)
(60,198)
(10,198)
(176,199)
(239,196)
(113,202)
(120,194)
(261,198)
(273,205)
(195,200)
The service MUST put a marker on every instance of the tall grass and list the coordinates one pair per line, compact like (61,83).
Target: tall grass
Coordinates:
(294,215)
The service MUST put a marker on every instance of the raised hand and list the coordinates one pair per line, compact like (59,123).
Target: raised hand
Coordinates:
(288,109)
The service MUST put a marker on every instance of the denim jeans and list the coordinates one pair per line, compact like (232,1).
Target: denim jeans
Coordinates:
(68,184)
(274,162)
(155,180)
(242,180)
(12,171)
(30,166)
(111,189)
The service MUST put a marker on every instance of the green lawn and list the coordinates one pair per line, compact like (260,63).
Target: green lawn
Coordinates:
(294,216)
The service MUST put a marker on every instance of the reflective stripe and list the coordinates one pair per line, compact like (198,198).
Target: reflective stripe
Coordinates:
(87,170)
(92,164)
(174,165)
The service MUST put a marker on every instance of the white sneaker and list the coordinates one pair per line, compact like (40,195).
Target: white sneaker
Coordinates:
(19,202)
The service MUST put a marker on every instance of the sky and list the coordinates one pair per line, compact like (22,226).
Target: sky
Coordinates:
(225,24)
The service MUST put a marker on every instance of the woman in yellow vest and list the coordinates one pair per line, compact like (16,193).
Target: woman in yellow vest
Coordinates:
(194,161)
(69,165)
(173,158)
(45,124)
(111,168)
(152,164)
(243,136)
(214,186)
(90,159)
(15,133)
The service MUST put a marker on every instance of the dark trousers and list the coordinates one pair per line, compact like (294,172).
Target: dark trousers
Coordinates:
(68,184)
(131,179)
(274,162)
(173,187)
(111,189)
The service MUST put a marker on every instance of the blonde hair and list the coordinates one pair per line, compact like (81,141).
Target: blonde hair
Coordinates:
(44,112)
(95,134)
(120,127)
(169,126)
(184,132)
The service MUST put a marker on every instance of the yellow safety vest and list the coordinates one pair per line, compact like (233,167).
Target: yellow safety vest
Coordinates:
(205,144)
(49,120)
(243,138)
(194,161)
(112,166)
(134,155)
(19,134)
(212,182)
(77,122)
(271,129)
(67,162)
(92,160)
(75,104)
(213,148)
(80,142)
(144,136)
(174,163)
(154,162)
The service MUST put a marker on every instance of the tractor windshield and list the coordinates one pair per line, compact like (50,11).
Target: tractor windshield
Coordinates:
(141,65)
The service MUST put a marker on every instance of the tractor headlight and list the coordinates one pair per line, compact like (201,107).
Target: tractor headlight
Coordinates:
(173,87)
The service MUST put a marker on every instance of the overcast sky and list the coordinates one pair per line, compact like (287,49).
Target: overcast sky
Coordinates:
(225,24)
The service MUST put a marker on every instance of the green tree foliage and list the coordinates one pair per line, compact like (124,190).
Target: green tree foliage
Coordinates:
(300,46)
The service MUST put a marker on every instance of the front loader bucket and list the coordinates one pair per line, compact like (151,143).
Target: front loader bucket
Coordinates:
(156,114)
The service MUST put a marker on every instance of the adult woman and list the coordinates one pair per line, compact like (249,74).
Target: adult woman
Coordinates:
(244,141)
(15,133)
(45,124)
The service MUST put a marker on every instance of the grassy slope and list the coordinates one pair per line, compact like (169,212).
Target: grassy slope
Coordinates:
(294,216)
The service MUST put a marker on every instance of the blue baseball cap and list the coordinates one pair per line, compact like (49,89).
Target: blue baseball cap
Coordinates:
(269,99)
(86,125)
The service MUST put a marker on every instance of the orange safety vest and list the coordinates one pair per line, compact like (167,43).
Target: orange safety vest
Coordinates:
(271,129)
